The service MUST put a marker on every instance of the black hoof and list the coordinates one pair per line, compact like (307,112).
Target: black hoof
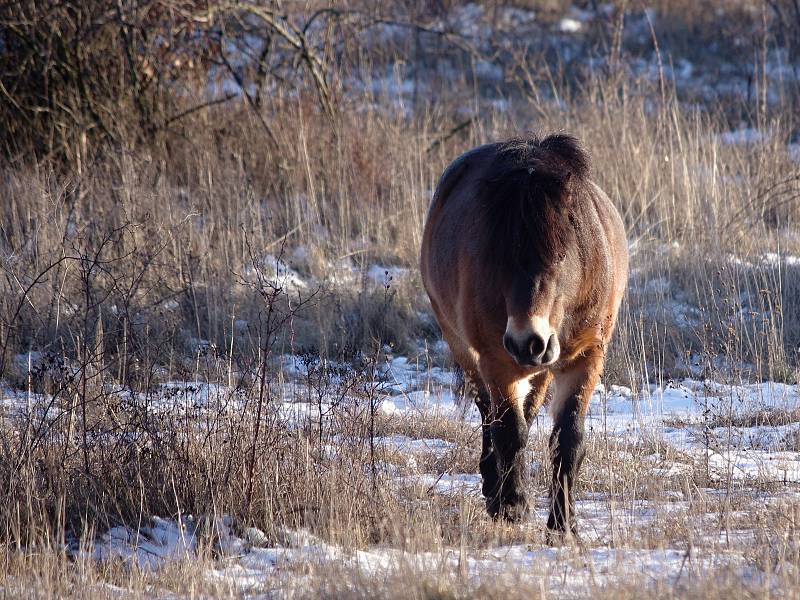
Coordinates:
(513,509)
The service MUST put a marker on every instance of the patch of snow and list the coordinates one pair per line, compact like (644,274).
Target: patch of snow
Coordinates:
(384,276)
(467,19)
(170,305)
(489,71)
(678,419)
(513,17)
(657,285)
(683,315)
(793,150)
(685,69)
(392,86)
(251,562)
(754,465)
(773,258)
(442,403)
(744,136)
(274,272)
(300,254)
(149,547)
(458,484)
(425,445)
(570,25)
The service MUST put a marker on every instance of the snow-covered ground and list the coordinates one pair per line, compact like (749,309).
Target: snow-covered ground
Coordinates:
(698,443)
(254,564)
(670,430)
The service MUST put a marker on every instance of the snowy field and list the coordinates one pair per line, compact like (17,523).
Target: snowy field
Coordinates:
(701,471)
(686,480)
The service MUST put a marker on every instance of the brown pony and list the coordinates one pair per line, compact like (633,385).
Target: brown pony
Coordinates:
(525,262)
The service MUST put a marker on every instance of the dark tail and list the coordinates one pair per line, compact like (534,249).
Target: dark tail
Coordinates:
(549,164)
(526,198)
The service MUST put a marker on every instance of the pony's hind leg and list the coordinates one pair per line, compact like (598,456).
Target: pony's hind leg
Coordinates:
(508,431)
(488,461)
(573,391)
(475,388)
(509,434)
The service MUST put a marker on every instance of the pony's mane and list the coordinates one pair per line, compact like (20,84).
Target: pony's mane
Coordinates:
(526,202)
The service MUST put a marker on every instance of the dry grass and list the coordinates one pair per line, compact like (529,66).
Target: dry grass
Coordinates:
(128,266)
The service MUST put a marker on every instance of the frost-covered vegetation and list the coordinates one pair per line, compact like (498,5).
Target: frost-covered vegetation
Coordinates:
(220,376)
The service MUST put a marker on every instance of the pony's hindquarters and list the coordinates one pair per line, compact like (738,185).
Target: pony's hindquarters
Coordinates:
(524,260)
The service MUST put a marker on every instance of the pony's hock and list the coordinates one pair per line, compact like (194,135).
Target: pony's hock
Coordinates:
(525,262)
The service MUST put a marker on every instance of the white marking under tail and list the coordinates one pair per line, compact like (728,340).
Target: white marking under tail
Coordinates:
(564,386)
(521,389)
